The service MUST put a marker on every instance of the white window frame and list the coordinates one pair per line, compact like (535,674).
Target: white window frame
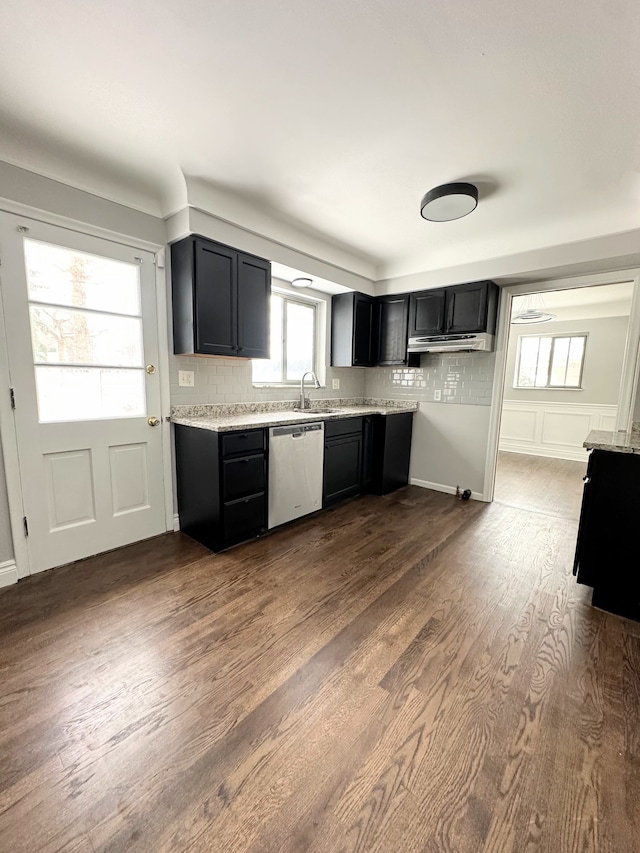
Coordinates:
(547,386)
(309,302)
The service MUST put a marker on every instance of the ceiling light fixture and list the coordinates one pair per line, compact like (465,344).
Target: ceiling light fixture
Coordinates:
(449,201)
(530,309)
(303,281)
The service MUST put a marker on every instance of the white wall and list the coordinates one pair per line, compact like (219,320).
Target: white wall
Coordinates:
(449,446)
(602,364)
(450,436)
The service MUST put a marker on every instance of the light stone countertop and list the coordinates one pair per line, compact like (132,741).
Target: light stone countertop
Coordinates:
(218,418)
(617,442)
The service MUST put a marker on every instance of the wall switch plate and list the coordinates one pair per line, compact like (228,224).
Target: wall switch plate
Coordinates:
(335,384)
(437,395)
(186,378)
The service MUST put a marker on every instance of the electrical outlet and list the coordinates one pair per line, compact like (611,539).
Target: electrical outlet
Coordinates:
(335,384)
(437,395)
(186,378)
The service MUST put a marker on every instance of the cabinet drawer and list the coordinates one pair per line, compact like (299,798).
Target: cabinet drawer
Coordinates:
(242,476)
(234,443)
(344,426)
(244,518)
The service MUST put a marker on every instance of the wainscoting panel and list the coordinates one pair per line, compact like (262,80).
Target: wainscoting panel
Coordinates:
(552,429)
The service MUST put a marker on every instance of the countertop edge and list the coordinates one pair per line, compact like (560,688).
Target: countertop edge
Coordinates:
(614,442)
(231,423)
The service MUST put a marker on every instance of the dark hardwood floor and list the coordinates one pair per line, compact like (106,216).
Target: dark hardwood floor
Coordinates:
(540,484)
(409,673)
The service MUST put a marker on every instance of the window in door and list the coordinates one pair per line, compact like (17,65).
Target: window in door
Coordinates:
(550,361)
(293,338)
(86,334)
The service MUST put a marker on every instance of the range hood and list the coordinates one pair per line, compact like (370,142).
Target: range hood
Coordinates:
(469,342)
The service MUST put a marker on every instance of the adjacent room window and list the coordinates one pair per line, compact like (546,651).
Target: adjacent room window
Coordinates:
(293,341)
(550,361)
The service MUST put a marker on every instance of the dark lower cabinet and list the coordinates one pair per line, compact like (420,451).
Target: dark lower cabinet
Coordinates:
(222,485)
(222,477)
(606,557)
(369,455)
(342,476)
(391,452)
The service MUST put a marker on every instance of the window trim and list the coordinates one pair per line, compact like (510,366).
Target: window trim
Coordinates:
(299,299)
(548,387)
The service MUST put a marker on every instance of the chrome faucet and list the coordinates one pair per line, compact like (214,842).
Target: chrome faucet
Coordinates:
(304,401)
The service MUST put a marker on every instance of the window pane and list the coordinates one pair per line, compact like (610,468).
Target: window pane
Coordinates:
(542,372)
(574,366)
(528,362)
(299,339)
(560,356)
(62,335)
(270,370)
(67,277)
(89,393)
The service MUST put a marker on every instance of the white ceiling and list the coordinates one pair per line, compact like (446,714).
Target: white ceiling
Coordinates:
(580,303)
(340,115)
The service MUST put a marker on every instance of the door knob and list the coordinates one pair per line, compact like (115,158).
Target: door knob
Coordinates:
(153,421)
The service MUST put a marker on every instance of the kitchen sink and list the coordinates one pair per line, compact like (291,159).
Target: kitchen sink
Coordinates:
(323,411)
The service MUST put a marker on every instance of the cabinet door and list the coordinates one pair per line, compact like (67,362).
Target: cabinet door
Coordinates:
(426,313)
(393,320)
(254,292)
(607,538)
(363,330)
(467,308)
(215,310)
(342,468)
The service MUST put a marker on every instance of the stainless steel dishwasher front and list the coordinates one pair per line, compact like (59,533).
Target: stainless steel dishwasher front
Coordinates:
(296,457)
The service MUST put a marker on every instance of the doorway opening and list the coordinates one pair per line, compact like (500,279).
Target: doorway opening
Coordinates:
(565,358)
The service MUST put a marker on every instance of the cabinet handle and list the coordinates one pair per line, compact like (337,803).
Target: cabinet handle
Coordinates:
(586,479)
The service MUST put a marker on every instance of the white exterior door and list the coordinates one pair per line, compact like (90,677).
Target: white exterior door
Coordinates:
(82,340)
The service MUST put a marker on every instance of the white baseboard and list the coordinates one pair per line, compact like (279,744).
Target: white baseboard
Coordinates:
(440,487)
(176,523)
(580,455)
(8,573)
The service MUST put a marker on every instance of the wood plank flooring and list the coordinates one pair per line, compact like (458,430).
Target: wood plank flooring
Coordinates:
(409,673)
(540,484)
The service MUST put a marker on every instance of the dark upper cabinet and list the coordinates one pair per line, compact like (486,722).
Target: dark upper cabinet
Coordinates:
(254,291)
(427,313)
(454,310)
(367,331)
(353,330)
(214,299)
(393,331)
(467,308)
(220,300)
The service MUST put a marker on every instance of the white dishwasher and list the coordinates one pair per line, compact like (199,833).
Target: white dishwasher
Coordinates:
(296,458)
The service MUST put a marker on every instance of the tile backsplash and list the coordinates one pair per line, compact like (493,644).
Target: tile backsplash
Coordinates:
(228,380)
(463,378)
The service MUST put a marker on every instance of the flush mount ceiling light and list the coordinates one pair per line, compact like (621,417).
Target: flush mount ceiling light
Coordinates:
(449,201)
(302,282)
(530,309)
